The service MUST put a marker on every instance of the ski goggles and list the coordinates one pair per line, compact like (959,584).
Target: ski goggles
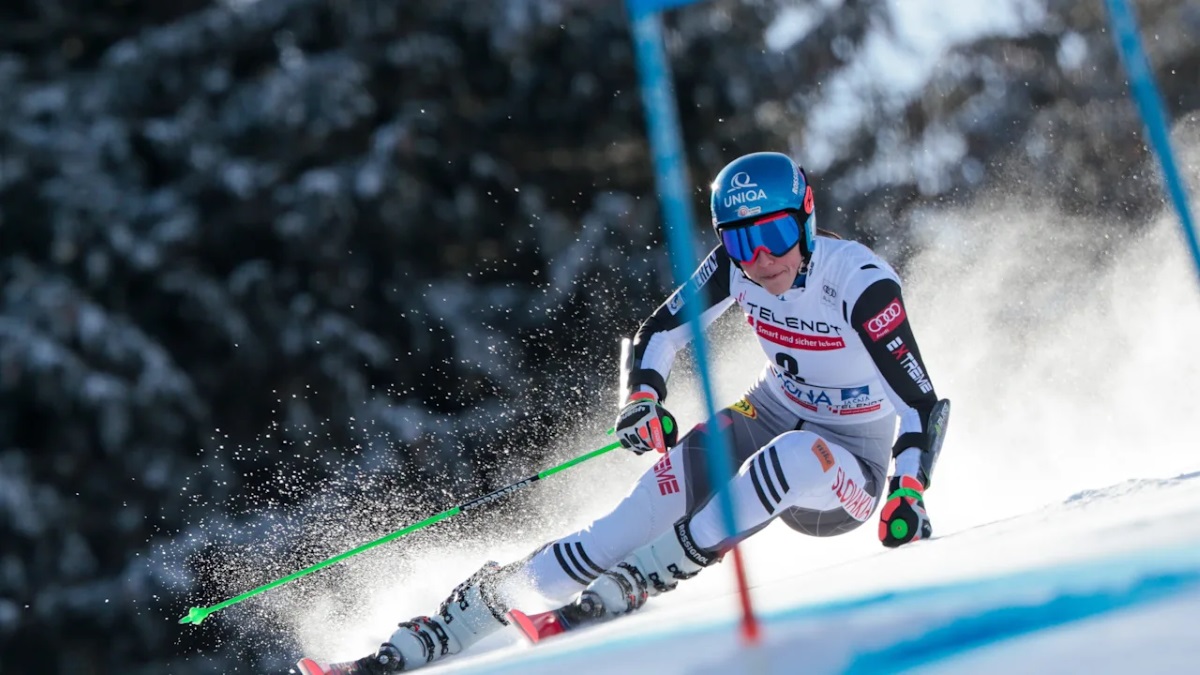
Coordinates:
(775,234)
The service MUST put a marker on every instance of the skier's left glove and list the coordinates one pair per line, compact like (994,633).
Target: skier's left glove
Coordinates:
(645,425)
(903,518)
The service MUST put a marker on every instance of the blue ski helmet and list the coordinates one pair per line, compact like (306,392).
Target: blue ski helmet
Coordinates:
(762,183)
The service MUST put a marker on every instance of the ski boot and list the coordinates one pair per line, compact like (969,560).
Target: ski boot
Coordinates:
(471,612)
(651,570)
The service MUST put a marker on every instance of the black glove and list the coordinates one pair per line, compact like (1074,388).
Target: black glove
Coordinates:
(903,518)
(645,425)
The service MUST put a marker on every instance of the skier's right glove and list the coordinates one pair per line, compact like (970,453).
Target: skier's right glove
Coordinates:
(644,424)
(903,518)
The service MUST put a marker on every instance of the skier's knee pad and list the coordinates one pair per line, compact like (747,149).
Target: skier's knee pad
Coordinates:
(816,469)
(805,459)
(833,491)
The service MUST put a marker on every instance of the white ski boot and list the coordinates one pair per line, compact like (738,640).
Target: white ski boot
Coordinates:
(471,613)
(655,568)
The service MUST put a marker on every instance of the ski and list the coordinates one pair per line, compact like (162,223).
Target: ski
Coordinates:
(307,666)
(587,610)
(536,627)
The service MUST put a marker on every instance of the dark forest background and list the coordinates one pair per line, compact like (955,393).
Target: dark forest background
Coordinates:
(245,244)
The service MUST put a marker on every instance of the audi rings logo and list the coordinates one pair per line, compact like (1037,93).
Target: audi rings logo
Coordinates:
(741,181)
(885,318)
(886,321)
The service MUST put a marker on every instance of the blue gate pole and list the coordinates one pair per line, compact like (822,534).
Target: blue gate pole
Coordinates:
(670,164)
(1154,116)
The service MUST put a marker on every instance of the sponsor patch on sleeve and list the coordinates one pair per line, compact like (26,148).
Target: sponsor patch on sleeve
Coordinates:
(885,321)
(746,408)
(699,278)
(675,303)
(824,456)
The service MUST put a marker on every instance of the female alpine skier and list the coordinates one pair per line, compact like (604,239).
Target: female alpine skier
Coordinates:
(814,436)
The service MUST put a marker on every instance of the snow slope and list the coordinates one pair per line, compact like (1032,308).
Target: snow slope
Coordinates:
(1104,578)
(1066,507)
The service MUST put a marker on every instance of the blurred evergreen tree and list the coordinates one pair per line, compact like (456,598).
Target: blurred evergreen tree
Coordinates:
(238,236)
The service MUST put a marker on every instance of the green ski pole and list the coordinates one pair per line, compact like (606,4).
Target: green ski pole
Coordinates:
(198,614)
